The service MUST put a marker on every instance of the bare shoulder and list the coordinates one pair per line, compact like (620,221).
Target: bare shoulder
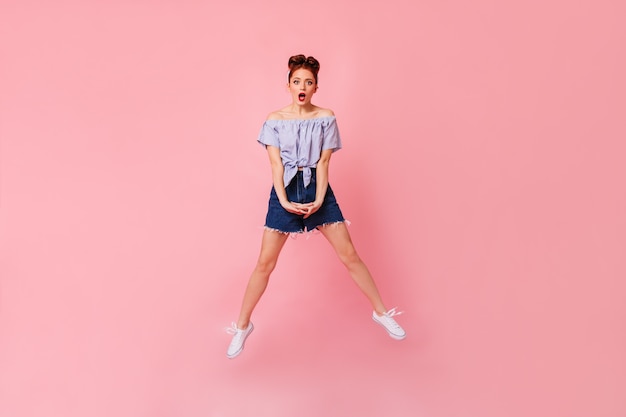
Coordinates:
(287,113)
(280,114)
(275,115)
(325,112)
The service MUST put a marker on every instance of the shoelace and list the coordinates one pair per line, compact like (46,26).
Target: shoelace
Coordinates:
(391,313)
(233,329)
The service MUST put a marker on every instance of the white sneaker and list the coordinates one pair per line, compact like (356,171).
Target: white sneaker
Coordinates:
(239,338)
(387,321)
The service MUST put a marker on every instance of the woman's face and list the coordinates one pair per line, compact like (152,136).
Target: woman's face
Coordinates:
(302,86)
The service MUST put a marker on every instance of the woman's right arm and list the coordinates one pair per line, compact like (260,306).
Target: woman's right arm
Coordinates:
(278,171)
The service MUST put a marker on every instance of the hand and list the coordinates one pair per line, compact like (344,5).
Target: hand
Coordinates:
(295,208)
(308,208)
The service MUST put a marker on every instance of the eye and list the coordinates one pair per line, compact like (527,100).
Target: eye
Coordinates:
(296,82)
(310,82)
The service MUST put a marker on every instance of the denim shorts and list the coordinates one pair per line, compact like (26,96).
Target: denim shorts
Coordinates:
(283,221)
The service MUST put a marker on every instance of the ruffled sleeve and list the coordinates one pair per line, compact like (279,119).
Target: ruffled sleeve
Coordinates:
(268,136)
(331,139)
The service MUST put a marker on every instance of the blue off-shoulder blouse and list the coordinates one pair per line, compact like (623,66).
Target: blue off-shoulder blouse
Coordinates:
(301,142)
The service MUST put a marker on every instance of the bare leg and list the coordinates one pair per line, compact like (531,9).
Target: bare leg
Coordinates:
(271,245)
(339,237)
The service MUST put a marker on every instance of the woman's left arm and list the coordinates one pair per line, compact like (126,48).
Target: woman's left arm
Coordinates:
(321,179)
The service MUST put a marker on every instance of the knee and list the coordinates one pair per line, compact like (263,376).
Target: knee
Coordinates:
(350,258)
(265,266)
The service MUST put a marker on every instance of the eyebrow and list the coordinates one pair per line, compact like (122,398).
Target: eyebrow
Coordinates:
(306,79)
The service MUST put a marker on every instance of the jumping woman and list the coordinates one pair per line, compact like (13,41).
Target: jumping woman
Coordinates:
(300,139)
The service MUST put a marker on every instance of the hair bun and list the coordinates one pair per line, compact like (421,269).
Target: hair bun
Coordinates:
(296,60)
(300,61)
(312,62)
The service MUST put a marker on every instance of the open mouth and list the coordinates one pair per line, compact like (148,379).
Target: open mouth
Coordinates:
(301,96)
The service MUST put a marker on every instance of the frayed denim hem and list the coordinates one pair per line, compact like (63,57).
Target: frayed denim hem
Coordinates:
(347,222)
(307,233)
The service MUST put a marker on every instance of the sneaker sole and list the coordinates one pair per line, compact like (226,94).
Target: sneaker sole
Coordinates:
(393,336)
(234,355)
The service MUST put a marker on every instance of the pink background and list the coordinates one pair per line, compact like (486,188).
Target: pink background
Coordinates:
(483,172)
